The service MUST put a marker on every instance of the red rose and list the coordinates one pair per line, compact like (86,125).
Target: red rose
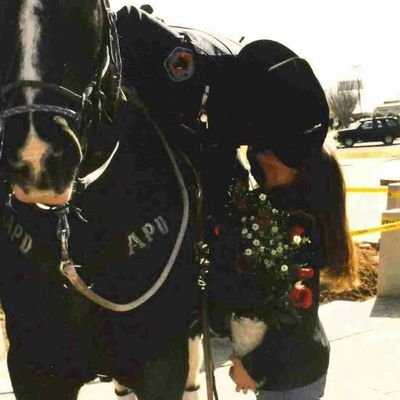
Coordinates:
(305,273)
(217,230)
(296,231)
(301,296)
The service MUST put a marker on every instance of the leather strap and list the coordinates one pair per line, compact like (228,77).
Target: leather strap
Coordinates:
(203,295)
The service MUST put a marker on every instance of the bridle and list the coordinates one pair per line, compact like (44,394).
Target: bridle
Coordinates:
(92,104)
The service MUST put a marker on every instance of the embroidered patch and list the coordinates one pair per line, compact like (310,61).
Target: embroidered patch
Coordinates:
(146,235)
(17,234)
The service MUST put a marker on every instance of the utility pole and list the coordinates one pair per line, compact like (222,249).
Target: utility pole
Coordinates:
(357,67)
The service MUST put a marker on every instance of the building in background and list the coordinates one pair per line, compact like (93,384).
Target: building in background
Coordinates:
(390,107)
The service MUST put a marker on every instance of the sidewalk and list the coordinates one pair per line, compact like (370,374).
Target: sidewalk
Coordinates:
(365,356)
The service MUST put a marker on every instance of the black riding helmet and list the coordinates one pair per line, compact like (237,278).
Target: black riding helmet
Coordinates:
(282,106)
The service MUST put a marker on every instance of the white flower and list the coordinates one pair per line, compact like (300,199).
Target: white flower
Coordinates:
(248,252)
(244,219)
(252,218)
(279,249)
(262,197)
(255,227)
(267,263)
(274,211)
(273,252)
(244,231)
(249,236)
(274,229)
(285,246)
(284,268)
(262,248)
(297,239)
(256,242)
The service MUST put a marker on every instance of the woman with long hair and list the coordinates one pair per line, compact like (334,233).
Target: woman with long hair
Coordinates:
(303,180)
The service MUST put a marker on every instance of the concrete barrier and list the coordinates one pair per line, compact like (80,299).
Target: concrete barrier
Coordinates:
(389,247)
(393,196)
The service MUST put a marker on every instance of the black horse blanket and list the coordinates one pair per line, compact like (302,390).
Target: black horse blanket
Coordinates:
(124,227)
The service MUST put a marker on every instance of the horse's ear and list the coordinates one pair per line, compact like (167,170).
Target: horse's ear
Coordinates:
(148,8)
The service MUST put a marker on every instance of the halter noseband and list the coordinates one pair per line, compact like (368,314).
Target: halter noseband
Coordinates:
(91,101)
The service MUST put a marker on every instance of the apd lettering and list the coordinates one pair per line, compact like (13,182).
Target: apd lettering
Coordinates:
(139,240)
(16,233)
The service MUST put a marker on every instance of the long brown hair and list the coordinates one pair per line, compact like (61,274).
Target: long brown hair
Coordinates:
(322,175)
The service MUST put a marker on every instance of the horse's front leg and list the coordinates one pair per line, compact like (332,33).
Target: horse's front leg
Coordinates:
(163,377)
(29,384)
(122,392)
(195,362)
(193,378)
(44,387)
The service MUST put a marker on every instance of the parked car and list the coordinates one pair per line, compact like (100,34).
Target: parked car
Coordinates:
(378,129)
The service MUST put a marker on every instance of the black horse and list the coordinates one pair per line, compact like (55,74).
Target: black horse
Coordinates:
(88,180)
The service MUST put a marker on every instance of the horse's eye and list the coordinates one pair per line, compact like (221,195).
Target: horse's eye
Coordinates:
(180,64)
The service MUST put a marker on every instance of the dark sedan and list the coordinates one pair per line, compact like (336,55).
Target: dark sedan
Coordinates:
(378,129)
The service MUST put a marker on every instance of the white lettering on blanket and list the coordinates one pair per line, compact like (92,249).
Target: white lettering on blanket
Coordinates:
(17,234)
(145,235)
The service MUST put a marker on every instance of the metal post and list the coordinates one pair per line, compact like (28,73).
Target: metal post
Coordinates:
(359,93)
(358,86)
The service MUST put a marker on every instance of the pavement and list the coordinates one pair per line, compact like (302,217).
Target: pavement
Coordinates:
(365,356)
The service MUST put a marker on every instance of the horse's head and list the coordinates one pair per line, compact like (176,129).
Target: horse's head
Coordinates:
(59,72)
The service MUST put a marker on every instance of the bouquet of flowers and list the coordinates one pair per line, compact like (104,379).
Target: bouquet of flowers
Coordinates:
(270,252)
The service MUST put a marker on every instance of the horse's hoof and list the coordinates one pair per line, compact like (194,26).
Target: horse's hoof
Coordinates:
(104,378)
(191,393)
(127,394)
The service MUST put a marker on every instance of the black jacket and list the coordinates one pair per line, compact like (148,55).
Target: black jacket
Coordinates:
(294,356)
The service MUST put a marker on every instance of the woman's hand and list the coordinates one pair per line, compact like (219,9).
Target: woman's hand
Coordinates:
(240,376)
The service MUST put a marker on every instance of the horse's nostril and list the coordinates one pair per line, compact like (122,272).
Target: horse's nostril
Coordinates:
(21,174)
(18,165)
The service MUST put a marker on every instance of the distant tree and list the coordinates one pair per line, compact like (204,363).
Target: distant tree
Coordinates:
(342,103)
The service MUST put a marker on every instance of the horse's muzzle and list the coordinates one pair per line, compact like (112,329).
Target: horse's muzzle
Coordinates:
(47,197)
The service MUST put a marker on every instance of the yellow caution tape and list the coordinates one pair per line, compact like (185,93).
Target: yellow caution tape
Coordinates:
(380,189)
(382,228)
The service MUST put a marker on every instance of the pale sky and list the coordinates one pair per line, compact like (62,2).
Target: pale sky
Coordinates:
(335,36)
